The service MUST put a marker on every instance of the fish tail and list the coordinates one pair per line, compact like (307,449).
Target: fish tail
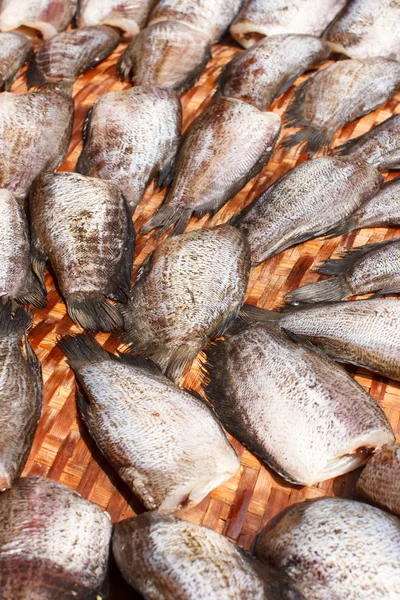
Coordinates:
(174,361)
(81,350)
(339,266)
(14,321)
(254,314)
(329,290)
(168,216)
(93,312)
(315,139)
(344,227)
(34,293)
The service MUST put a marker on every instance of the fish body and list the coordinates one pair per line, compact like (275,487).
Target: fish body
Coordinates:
(15,50)
(169,54)
(164,442)
(228,144)
(130,137)
(367,28)
(53,543)
(269,67)
(128,15)
(83,227)
(380,480)
(166,558)
(305,203)
(60,60)
(260,18)
(35,131)
(211,17)
(187,291)
(21,395)
(369,268)
(335,548)
(47,16)
(343,92)
(289,405)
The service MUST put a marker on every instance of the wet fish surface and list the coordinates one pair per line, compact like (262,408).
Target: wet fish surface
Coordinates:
(227,145)
(60,60)
(269,67)
(379,146)
(134,413)
(366,269)
(53,543)
(367,28)
(82,226)
(128,15)
(343,92)
(341,539)
(187,291)
(260,18)
(168,54)
(380,480)
(131,137)
(306,202)
(166,558)
(15,50)
(47,16)
(21,395)
(288,403)
(35,131)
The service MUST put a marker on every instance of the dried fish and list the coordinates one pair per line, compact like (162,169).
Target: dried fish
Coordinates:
(380,479)
(15,50)
(128,15)
(47,16)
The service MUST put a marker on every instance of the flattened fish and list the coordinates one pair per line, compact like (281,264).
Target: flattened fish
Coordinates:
(228,144)
(343,92)
(211,17)
(53,543)
(164,442)
(367,28)
(269,68)
(35,130)
(187,291)
(130,137)
(169,54)
(128,15)
(370,268)
(47,16)
(335,548)
(83,227)
(305,203)
(166,558)
(60,60)
(17,281)
(15,50)
(379,146)
(261,18)
(21,395)
(380,479)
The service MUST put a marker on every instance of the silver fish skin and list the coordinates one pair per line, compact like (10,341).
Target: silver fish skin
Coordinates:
(335,548)
(227,145)
(17,280)
(269,67)
(211,17)
(367,28)
(35,131)
(82,226)
(379,146)
(366,269)
(343,92)
(380,480)
(21,395)
(47,16)
(60,60)
(134,413)
(131,137)
(168,54)
(260,18)
(288,403)
(187,291)
(128,15)
(53,543)
(15,51)
(305,203)
(166,558)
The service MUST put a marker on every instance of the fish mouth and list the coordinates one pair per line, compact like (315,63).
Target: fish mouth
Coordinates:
(247,34)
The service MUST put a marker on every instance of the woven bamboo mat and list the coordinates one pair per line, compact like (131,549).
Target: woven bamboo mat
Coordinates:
(62,449)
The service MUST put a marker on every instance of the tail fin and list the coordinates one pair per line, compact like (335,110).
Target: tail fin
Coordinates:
(81,350)
(329,290)
(315,139)
(93,312)
(253,314)
(343,227)
(166,217)
(17,323)
(339,266)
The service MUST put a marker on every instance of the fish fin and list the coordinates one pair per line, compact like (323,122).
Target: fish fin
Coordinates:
(166,174)
(254,314)
(82,403)
(38,261)
(93,312)
(34,77)
(124,66)
(345,148)
(30,354)
(166,217)
(344,226)
(175,361)
(328,290)
(314,138)
(33,292)
(86,125)
(130,355)
(12,321)
(81,350)
(339,266)
(122,285)
(387,292)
